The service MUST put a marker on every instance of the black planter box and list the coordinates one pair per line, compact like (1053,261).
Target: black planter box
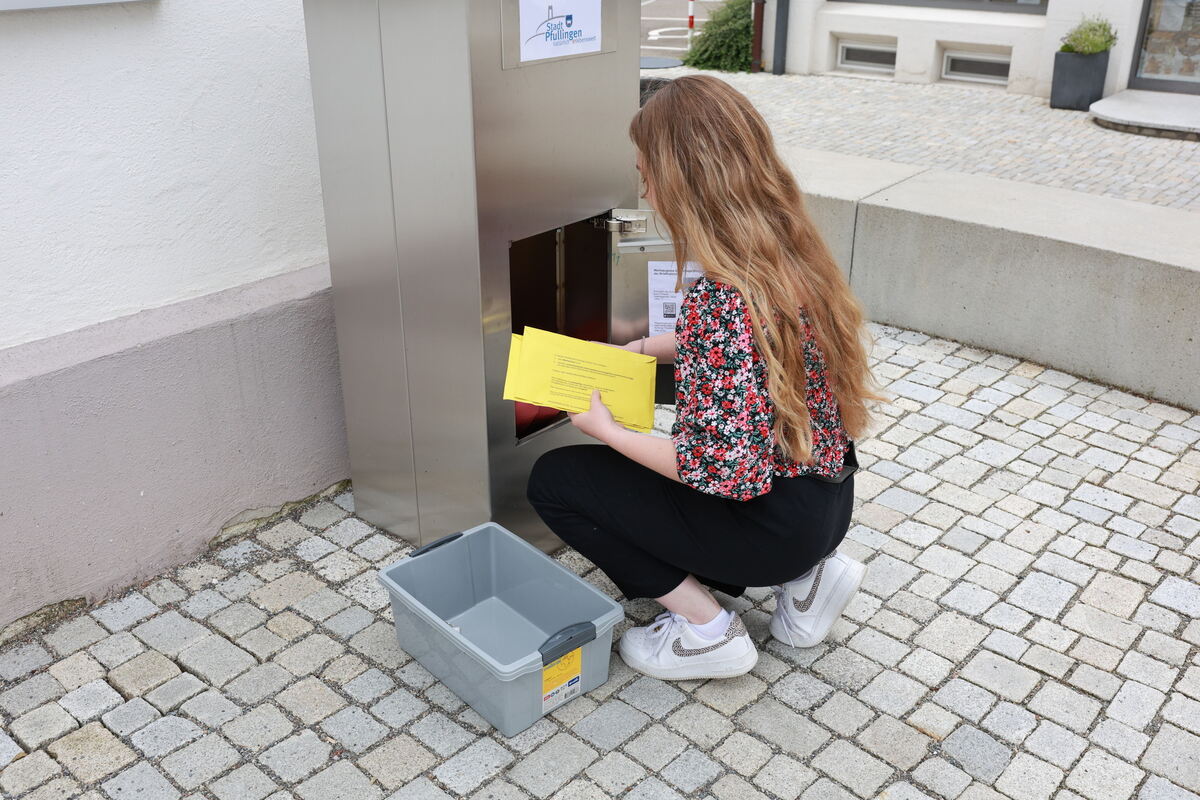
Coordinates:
(1078,79)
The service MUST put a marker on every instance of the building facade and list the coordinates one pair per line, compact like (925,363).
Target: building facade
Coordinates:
(1006,43)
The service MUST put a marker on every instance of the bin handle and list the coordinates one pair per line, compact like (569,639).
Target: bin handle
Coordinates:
(559,644)
(435,543)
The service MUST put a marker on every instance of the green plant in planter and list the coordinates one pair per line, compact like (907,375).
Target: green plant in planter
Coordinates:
(725,43)
(1091,35)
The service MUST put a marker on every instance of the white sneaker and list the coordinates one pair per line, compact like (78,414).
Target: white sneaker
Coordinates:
(670,649)
(806,608)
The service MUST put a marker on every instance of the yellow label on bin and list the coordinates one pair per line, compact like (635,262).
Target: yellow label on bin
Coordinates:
(562,679)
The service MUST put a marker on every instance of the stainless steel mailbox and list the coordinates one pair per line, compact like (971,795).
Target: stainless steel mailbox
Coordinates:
(466,194)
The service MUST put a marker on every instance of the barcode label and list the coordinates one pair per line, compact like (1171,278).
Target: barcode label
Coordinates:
(668,309)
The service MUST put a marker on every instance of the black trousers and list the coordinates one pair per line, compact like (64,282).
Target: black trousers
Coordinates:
(648,532)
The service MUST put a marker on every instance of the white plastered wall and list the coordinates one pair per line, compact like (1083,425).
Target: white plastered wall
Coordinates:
(151,152)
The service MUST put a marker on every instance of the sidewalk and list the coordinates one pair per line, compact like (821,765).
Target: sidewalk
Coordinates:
(1028,623)
(977,129)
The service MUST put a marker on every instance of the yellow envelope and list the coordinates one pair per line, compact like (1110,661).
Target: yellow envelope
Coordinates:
(549,369)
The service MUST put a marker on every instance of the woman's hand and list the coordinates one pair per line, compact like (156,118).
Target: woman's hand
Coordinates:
(597,421)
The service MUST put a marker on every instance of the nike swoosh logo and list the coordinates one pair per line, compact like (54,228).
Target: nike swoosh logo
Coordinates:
(805,604)
(736,628)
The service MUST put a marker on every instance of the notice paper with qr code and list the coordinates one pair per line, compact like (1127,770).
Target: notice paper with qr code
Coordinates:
(549,369)
(664,300)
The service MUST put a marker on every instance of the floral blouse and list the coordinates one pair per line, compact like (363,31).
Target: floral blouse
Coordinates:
(724,440)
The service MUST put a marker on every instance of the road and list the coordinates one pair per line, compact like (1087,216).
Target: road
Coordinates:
(664,25)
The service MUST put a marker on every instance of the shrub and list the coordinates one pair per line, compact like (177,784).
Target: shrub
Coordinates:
(726,40)
(1091,35)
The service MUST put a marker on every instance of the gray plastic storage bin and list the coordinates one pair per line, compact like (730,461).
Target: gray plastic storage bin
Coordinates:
(508,629)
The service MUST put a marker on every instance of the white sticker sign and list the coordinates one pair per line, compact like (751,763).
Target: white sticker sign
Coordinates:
(664,300)
(563,28)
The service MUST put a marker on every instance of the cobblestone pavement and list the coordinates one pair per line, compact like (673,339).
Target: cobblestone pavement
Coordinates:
(979,129)
(1027,629)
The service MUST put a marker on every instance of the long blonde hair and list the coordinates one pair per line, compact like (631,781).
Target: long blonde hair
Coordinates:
(731,205)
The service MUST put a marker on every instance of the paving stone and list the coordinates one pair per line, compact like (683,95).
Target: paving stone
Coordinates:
(397,761)
(951,635)
(1175,754)
(895,742)
(116,649)
(1147,670)
(297,756)
(258,728)
(653,696)
(204,604)
(210,708)
(142,673)
(247,782)
(165,735)
(74,634)
(340,781)
(1119,739)
(30,693)
(441,734)
(1029,778)
(852,767)
(691,770)
(893,693)
(942,777)
(1065,706)
(1055,744)
(843,714)
(965,699)
(399,708)
(743,753)
(76,670)
(258,683)
(784,777)
(200,761)
(656,747)
(141,781)
(845,668)
(474,765)
(420,789)
(216,660)
(369,685)
(91,753)
(1100,776)
(285,590)
(130,716)
(552,765)
(1178,594)
(237,619)
(701,724)
(611,724)
(29,772)
(170,632)
(9,750)
(979,754)
(1011,681)
(283,535)
(823,789)
(349,622)
(800,690)
(354,729)
(90,700)
(322,604)
(785,728)
(121,614)
(349,531)
(1135,704)
(174,692)
(309,654)
(41,725)
(377,642)
(615,773)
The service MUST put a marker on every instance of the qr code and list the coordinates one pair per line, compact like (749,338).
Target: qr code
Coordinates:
(669,310)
